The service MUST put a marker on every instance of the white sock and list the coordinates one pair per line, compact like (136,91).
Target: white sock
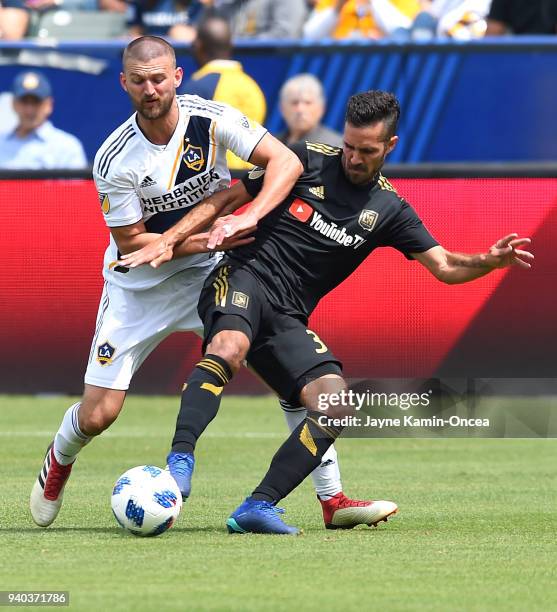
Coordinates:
(326,477)
(69,439)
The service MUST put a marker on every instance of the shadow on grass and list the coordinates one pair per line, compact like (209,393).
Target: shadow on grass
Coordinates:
(59,530)
(108,530)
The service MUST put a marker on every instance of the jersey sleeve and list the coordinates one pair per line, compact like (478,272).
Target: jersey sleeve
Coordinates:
(408,234)
(301,150)
(238,133)
(118,199)
(253,180)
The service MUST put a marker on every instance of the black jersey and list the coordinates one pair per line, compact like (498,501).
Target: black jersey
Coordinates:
(324,230)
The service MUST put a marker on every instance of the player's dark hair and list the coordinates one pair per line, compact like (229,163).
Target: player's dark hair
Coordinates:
(372,107)
(146,48)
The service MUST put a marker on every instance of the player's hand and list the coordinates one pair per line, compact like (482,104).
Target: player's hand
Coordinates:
(198,243)
(507,252)
(155,253)
(231,226)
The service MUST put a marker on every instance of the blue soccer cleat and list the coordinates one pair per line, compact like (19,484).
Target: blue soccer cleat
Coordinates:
(181,469)
(256,516)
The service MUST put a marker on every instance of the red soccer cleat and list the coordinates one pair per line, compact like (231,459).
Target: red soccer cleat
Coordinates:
(48,490)
(341,512)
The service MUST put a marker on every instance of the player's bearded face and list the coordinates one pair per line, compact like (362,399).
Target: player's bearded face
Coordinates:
(364,151)
(151,86)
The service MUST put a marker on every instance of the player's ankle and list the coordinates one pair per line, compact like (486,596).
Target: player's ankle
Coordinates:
(182,447)
(327,496)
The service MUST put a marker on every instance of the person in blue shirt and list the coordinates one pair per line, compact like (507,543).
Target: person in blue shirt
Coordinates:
(174,19)
(35,144)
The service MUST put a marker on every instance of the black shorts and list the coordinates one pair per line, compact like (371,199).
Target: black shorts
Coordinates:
(284,352)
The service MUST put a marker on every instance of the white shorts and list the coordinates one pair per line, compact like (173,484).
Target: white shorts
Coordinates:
(130,324)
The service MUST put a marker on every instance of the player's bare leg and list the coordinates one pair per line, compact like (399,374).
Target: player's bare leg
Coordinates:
(97,410)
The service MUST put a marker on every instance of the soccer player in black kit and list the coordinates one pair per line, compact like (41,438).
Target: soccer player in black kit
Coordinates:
(255,305)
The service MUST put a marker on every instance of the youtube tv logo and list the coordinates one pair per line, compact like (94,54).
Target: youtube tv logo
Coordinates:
(300,210)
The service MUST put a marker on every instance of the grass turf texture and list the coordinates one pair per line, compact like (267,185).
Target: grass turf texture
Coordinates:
(476,528)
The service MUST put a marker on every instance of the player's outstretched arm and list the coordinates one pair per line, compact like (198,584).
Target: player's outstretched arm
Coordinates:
(282,170)
(161,247)
(454,268)
(198,244)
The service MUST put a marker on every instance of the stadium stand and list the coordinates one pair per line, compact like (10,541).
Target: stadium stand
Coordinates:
(78,25)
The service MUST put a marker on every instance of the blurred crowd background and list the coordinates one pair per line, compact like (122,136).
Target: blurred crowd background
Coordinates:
(271,19)
(447,114)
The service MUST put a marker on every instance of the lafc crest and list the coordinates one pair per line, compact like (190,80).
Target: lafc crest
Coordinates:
(240,299)
(105,353)
(193,157)
(368,219)
(105,203)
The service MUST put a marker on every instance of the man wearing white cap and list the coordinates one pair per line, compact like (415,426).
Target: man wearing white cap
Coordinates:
(35,144)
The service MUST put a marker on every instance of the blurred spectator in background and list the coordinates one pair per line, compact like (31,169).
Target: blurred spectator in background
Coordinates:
(222,79)
(302,104)
(261,19)
(357,19)
(15,15)
(35,144)
(172,18)
(458,19)
(522,17)
(14,19)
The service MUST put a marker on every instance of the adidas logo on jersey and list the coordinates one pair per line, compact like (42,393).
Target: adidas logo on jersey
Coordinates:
(318,192)
(147,182)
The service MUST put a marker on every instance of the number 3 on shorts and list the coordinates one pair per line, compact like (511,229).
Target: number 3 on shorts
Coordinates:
(321,348)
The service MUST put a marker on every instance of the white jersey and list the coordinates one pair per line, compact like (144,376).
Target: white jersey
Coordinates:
(138,180)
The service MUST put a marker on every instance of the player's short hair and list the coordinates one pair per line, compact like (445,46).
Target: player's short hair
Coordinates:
(372,107)
(304,82)
(146,48)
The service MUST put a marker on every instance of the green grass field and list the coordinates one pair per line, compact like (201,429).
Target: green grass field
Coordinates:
(476,530)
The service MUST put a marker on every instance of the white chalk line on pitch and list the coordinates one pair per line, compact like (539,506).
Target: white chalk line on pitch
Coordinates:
(109,434)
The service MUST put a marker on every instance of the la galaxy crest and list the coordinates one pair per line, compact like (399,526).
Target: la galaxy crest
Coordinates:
(105,353)
(368,219)
(193,157)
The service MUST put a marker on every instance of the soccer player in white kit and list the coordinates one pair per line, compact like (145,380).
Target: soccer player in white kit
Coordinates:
(162,163)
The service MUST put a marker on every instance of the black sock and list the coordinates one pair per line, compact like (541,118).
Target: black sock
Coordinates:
(200,401)
(296,458)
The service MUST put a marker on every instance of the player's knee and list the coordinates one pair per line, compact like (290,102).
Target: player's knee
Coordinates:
(95,421)
(326,394)
(97,413)
(232,346)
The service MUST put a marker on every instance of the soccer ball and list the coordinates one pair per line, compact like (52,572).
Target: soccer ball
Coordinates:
(146,500)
